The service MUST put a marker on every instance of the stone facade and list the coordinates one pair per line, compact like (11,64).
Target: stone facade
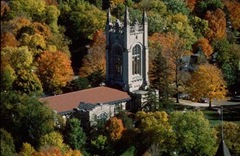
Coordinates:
(127,53)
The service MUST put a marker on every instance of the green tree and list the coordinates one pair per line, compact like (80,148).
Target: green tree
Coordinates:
(74,135)
(25,118)
(7,143)
(27,82)
(29,8)
(159,74)
(77,16)
(194,136)
(153,128)
(96,78)
(211,5)
(200,26)
(78,84)
(177,6)
(180,25)
(99,145)
(228,59)
(231,136)
(7,76)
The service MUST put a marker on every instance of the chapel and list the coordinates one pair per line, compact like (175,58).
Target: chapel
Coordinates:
(126,75)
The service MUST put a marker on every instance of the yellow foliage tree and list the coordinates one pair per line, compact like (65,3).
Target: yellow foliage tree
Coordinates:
(26,150)
(53,139)
(154,129)
(207,82)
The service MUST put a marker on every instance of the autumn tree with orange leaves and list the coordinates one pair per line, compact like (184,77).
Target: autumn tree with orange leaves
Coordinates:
(207,82)
(114,127)
(173,49)
(95,59)
(205,46)
(216,23)
(191,4)
(54,71)
(234,12)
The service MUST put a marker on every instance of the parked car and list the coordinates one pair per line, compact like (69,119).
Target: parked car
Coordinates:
(184,96)
(203,100)
(235,98)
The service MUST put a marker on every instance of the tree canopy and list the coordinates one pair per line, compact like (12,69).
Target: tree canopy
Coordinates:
(207,82)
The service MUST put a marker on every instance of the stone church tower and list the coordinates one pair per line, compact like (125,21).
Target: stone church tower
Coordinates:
(127,53)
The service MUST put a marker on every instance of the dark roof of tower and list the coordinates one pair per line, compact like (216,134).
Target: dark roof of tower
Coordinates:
(67,102)
(222,149)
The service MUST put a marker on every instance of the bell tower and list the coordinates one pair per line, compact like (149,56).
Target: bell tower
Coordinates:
(127,53)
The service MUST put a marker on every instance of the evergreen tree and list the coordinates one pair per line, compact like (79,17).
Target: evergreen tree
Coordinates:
(74,135)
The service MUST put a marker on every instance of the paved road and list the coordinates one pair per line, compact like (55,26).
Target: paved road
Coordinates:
(214,103)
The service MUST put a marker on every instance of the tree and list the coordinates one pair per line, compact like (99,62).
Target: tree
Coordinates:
(159,75)
(199,25)
(26,150)
(7,143)
(194,136)
(231,135)
(126,119)
(153,128)
(177,6)
(207,82)
(173,49)
(77,16)
(18,57)
(216,23)
(114,127)
(99,145)
(211,5)
(228,59)
(54,139)
(191,4)
(29,8)
(74,135)
(232,7)
(205,46)
(25,118)
(27,82)
(18,72)
(8,39)
(54,70)
(78,84)
(8,75)
(95,60)
(179,26)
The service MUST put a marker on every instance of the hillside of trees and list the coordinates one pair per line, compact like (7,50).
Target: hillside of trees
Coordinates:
(50,47)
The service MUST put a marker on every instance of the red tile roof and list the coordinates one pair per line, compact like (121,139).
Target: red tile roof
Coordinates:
(66,102)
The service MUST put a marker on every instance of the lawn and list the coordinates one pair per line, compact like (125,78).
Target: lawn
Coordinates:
(230,113)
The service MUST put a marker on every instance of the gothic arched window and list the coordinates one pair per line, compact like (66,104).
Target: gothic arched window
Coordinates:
(136,59)
(117,60)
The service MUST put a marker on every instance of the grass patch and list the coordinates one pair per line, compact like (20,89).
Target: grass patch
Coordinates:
(231,113)
(129,152)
